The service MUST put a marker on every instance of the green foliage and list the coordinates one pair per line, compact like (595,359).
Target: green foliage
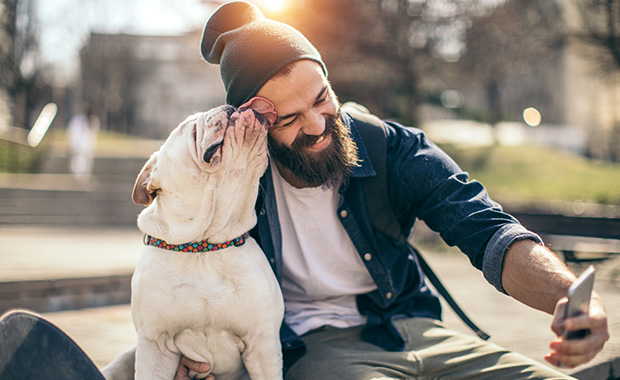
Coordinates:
(16,158)
(535,173)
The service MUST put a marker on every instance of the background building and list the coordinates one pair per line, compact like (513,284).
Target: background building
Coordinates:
(147,85)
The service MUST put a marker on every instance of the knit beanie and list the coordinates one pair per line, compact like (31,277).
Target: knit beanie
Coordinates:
(251,48)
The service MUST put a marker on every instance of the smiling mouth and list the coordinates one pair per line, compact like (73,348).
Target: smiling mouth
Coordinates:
(320,142)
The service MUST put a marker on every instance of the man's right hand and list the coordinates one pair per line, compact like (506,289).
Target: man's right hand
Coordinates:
(186,365)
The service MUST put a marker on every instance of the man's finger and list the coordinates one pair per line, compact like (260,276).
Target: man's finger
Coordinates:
(195,366)
(558,316)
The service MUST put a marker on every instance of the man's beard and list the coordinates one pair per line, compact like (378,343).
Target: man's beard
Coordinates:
(329,167)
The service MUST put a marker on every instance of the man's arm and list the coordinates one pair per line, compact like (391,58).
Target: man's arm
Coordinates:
(536,277)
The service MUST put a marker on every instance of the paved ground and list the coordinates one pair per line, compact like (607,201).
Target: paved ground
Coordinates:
(46,253)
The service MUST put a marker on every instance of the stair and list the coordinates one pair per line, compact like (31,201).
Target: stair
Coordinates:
(55,197)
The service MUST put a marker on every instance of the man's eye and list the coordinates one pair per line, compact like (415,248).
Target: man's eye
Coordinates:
(323,99)
(287,124)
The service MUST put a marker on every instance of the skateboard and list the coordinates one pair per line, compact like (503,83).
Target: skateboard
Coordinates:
(32,347)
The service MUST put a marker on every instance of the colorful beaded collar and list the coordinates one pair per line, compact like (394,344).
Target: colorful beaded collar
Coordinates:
(199,246)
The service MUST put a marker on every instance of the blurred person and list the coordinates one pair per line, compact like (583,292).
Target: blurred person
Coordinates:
(82,136)
(357,303)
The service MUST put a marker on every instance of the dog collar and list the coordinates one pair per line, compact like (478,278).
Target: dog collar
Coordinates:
(199,246)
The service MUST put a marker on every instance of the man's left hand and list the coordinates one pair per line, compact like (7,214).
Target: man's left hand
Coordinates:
(570,353)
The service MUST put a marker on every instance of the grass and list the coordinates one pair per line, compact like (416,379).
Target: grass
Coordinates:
(535,173)
(16,158)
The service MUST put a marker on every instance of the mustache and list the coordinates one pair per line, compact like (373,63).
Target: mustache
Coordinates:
(306,141)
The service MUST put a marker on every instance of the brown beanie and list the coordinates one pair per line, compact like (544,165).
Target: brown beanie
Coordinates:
(251,48)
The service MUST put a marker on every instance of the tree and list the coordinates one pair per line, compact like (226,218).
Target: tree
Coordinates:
(601,31)
(108,79)
(512,40)
(377,50)
(22,89)
(7,60)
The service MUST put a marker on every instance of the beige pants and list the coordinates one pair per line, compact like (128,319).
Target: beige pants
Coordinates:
(432,352)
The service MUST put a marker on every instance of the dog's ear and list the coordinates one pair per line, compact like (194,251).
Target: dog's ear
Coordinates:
(144,191)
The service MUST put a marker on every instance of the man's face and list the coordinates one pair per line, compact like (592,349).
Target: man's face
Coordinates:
(308,141)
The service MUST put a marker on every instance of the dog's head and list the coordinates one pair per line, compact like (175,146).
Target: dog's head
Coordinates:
(203,181)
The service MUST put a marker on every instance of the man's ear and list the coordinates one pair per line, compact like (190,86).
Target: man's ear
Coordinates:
(144,191)
(264,107)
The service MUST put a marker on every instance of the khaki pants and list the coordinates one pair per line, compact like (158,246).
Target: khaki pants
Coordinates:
(432,352)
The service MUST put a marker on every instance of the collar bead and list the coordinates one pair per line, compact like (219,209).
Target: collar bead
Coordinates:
(199,246)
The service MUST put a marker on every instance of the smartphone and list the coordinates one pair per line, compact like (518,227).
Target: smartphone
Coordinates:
(579,301)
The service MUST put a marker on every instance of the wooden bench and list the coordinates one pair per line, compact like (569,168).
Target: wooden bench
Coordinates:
(578,239)
(582,249)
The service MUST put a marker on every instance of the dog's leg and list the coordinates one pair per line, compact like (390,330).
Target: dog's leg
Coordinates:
(122,367)
(154,361)
(263,358)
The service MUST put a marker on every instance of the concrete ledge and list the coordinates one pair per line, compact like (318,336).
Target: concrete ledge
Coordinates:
(46,296)
(604,371)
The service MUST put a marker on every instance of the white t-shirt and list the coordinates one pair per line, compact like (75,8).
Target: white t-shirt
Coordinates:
(321,271)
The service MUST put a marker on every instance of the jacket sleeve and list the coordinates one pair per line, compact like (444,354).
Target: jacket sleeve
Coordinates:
(425,183)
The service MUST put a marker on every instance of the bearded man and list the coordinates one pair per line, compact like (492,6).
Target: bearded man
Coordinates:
(357,303)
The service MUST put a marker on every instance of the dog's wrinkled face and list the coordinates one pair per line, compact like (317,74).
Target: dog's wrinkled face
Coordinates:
(206,173)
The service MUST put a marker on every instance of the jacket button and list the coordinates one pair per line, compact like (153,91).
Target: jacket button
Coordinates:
(367,257)
(262,212)
(344,213)
(388,295)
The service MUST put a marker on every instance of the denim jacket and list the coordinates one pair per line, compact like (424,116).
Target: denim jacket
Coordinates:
(425,184)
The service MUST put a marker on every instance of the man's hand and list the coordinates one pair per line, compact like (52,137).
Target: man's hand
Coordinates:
(186,365)
(573,352)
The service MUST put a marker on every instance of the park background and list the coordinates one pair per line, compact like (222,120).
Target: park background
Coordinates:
(535,80)
(524,94)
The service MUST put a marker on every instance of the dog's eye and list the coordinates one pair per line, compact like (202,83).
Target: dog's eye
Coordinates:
(211,151)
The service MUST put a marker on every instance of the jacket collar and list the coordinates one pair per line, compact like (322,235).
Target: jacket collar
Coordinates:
(365,168)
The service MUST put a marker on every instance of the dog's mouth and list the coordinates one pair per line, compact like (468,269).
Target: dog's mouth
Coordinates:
(211,150)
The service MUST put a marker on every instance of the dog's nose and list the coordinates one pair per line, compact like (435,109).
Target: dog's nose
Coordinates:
(229,110)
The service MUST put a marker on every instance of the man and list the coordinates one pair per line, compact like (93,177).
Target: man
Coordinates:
(356,302)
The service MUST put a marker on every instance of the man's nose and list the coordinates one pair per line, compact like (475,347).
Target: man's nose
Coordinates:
(315,124)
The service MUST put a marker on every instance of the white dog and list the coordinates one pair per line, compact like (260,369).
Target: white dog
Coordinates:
(223,306)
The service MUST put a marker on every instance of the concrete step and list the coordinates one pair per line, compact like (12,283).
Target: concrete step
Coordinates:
(46,296)
(59,199)
(55,197)
(101,166)
(67,207)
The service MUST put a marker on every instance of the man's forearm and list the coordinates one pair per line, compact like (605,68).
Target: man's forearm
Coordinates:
(535,276)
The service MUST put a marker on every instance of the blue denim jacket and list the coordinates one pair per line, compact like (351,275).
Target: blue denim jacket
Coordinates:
(425,184)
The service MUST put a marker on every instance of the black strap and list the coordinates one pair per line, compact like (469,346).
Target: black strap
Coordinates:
(376,188)
(382,215)
(437,284)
